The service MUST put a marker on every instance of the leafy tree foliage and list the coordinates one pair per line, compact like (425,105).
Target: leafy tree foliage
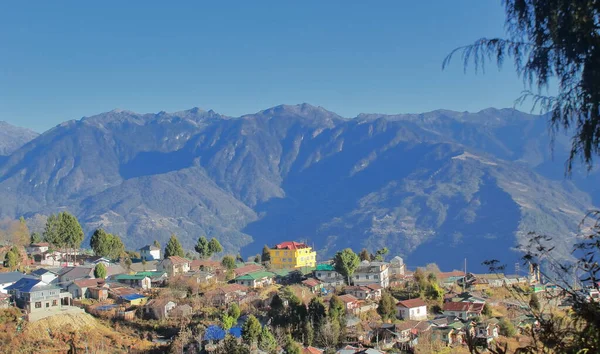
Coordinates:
(174,248)
(156,243)
(266,255)
(290,346)
(364,255)
(487,310)
(266,341)
(231,346)
(63,231)
(251,330)
(553,40)
(234,311)
(346,262)
(317,313)
(380,254)
(228,262)
(35,237)
(106,245)
(214,246)
(227,321)
(100,271)
(11,259)
(534,302)
(387,306)
(336,308)
(507,328)
(202,247)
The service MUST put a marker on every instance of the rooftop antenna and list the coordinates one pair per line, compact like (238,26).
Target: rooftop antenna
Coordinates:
(465,277)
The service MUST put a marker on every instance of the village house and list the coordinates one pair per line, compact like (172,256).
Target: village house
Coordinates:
(226,294)
(397,267)
(372,273)
(33,295)
(147,266)
(80,288)
(150,253)
(206,265)
(174,265)
(327,275)
(133,280)
(487,330)
(201,276)
(463,310)
(159,309)
(256,279)
(99,292)
(39,247)
(414,309)
(350,302)
(313,285)
(292,255)
(9,278)
(133,299)
(243,269)
(157,279)
(181,311)
(46,275)
(367,292)
(69,274)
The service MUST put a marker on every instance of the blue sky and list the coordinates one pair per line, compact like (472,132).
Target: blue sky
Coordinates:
(64,60)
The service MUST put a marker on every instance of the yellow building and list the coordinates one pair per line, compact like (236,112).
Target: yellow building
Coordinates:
(292,255)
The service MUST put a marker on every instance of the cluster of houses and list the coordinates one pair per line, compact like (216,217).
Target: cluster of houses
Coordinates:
(62,281)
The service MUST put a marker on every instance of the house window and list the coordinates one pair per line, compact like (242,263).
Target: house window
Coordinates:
(47,304)
(38,305)
(54,302)
(367,277)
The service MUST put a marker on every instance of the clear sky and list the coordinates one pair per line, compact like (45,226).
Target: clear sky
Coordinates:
(64,60)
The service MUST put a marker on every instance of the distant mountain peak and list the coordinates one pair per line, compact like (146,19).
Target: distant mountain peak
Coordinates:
(13,137)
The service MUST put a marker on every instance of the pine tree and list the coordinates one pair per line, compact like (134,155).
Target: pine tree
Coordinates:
(266,341)
(100,271)
(214,246)
(364,255)
(174,248)
(202,247)
(266,255)
(251,330)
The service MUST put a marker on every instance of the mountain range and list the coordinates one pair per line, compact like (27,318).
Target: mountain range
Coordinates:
(433,187)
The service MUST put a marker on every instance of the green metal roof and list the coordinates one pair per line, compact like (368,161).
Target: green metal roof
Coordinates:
(151,274)
(130,277)
(325,266)
(255,275)
(281,272)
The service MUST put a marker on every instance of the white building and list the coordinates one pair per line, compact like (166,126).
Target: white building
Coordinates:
(397,266)
(150,253)
(372,273)
(414,309)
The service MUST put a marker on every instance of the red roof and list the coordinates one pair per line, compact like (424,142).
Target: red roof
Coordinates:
(412,303)
(347,298)
(178,260)
(249,268)
(310,282)
(456,306)
(312,350)
(374,286)
(291,245)
(88,283)
(197,263)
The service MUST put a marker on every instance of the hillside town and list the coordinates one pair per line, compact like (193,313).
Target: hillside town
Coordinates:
(286,300)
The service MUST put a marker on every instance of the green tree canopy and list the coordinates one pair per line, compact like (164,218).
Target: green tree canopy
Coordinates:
(364,255)
(202,248)
(336,308)
(228,262)
(174,248)
(156,243)
(234,311)
(290,346)
(346,262)
(11,260)
(106,245)
(63,231)
(266,255)
(380,254)
(387,306)
(35,237)
(214,246)
(552,41)
(316,312)
(266,341)
(227,321)
(251,330)
(100,271)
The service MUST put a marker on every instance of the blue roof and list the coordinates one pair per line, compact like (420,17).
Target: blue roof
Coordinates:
(106,307)
(13,277)
(131,297)
(236,332)
(214,333)
(26,284)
